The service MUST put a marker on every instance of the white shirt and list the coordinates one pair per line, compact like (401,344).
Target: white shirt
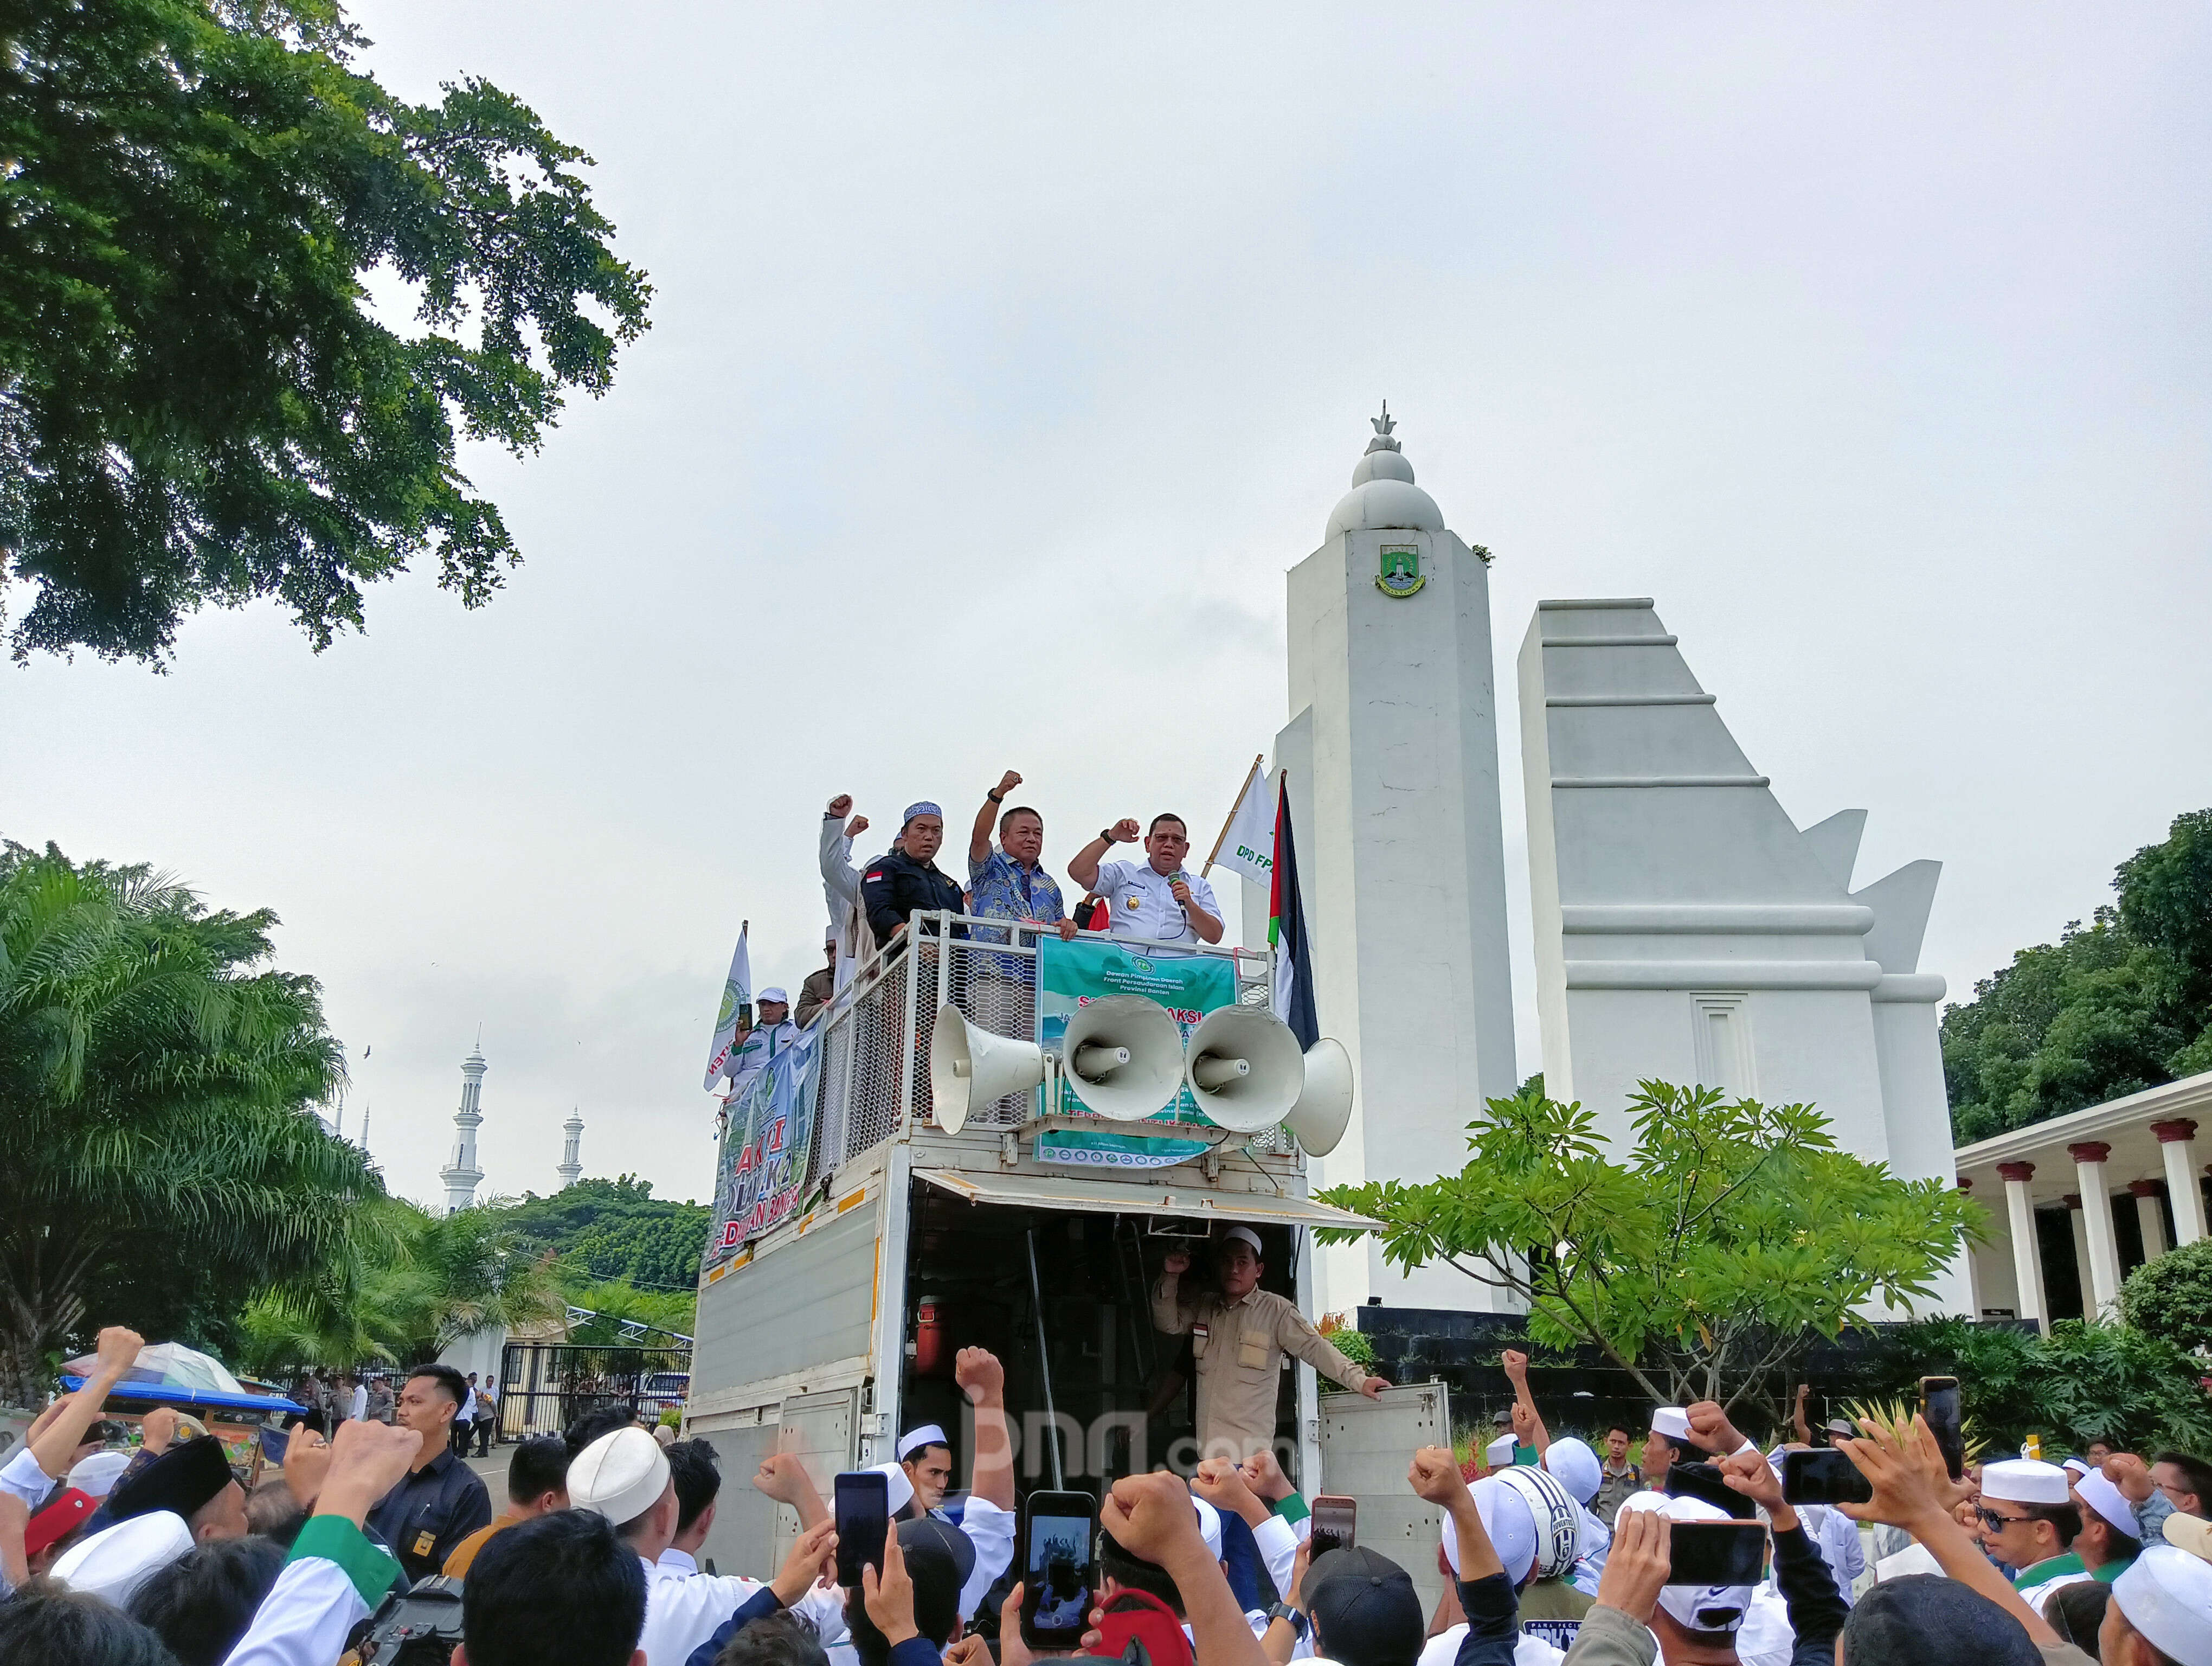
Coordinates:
(683,1608)
(750,1057)
(360,1402)
(304,1620)
(24,1478)
(1443,1648)
(991,1530)
(1144,904)
(468,1411)
(1766,1638)
(1837,1537)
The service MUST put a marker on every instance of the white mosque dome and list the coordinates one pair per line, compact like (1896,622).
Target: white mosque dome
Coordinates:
(1384,497)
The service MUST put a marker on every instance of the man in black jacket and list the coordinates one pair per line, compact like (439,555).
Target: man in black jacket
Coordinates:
(904,878)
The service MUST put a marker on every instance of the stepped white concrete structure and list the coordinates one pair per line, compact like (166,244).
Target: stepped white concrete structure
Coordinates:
(572,1163)
(1392,755)
(462,1176)
(1686,929)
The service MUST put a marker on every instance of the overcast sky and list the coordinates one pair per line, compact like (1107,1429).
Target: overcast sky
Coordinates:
(1002,360)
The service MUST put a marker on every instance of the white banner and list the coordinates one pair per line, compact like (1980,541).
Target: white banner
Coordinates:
(1248,843)
(737,992)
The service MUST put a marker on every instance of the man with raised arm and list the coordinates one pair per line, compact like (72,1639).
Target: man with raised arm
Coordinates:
(1154,900)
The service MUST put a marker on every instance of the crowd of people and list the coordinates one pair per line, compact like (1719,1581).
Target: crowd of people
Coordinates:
(1547,1551)
(1157,900)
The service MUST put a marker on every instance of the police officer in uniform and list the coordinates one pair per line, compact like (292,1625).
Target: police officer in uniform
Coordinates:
(904,878)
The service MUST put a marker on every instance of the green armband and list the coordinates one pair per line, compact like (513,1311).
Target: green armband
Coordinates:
(1292,1509)
(370,1568)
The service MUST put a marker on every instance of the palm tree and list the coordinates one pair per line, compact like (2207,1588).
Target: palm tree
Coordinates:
(157,1087)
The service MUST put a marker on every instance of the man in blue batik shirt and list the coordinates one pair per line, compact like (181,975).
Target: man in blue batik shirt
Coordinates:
(1007,883)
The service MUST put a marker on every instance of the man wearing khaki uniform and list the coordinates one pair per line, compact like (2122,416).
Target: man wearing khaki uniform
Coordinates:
(1237,1341)
(1238,1338)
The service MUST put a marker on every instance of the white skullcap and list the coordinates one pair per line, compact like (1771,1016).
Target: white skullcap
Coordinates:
(1243,1235)
(2024,1481)
(1508,1520)
(2167,1594)
(95,1476)
(1686,1603)
(1556,1519)
(620,1476)
(1576,1468)
(1499,1453)
(2101,1496)
(915,1439)
(2075,1465)
(775,995)
(902,1488)
(1673,1422)
(1209,1526)
(114,1563)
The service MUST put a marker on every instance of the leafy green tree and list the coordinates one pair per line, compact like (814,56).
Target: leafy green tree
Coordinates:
(2170,1298)
(2110,1009)
(616,1229)
(157,1086)
(1700,1260)
(2084,1382)
(405,1286)
(614,1301)
(197,404)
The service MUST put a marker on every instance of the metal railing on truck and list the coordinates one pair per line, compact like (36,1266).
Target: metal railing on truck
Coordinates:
(875,1041)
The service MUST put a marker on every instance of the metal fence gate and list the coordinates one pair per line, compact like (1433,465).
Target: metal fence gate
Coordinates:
(546,1386)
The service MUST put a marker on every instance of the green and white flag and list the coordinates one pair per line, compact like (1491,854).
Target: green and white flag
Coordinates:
(1248,843)
(737,999)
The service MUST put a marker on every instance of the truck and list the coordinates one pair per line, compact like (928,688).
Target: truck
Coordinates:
(890,1231)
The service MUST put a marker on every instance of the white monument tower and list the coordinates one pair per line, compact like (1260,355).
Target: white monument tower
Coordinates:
(1687,929)
(571,1163)
(1392,754)
(461,1176)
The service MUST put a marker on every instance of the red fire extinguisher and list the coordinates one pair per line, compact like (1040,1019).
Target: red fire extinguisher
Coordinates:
(932,1348)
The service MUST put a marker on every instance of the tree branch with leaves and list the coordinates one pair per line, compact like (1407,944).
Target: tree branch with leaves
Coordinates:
(1701,1258)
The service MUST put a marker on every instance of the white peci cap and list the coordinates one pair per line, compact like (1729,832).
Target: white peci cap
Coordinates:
(902,1487)
(2167,1594)
(2024,1481)
(95,1476)
(913,1440)
(620,1476)
(1507,1519)
(1671,1422)
(1576,1468)
(113,1564)
(1500,1452)
(1243,1235)
(1695,1608)
(1209,1526)
(2101,1496)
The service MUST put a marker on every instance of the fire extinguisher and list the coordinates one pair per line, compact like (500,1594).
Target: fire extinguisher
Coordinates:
(932,1352)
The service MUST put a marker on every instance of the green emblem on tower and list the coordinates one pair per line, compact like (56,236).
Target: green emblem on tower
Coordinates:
(1401,573)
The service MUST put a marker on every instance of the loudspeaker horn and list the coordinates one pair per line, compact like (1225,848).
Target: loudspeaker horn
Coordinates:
(1324,1108)
(969,1067)
(1123,1057)
(1243,1068)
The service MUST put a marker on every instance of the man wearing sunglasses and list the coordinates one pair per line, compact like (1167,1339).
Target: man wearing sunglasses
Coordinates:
(2029,1522)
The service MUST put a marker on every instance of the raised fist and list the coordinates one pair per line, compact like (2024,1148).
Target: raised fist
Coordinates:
(1008,781)
(1434,1475)
(1517,1366)
(116,1348)
(1126,831)
(839,805)
(1178,1263)
(979,1375)
(855,827)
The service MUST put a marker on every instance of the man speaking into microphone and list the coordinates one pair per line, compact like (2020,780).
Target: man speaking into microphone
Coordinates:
(1154,899)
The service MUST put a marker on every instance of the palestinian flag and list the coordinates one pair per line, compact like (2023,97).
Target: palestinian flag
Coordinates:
(1287,931)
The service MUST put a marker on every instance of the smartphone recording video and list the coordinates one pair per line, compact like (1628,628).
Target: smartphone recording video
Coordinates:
(1703,1480)
(1058,1582)
(1939,1404)
(1824,1477)
(1717,1553)
(1335,1523)
(864,1519)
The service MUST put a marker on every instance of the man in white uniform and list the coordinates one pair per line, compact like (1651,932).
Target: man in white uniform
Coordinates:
(757,1046)
(1154,899)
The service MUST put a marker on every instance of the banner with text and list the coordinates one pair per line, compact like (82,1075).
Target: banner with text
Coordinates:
(761,1173)
(1071,975)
